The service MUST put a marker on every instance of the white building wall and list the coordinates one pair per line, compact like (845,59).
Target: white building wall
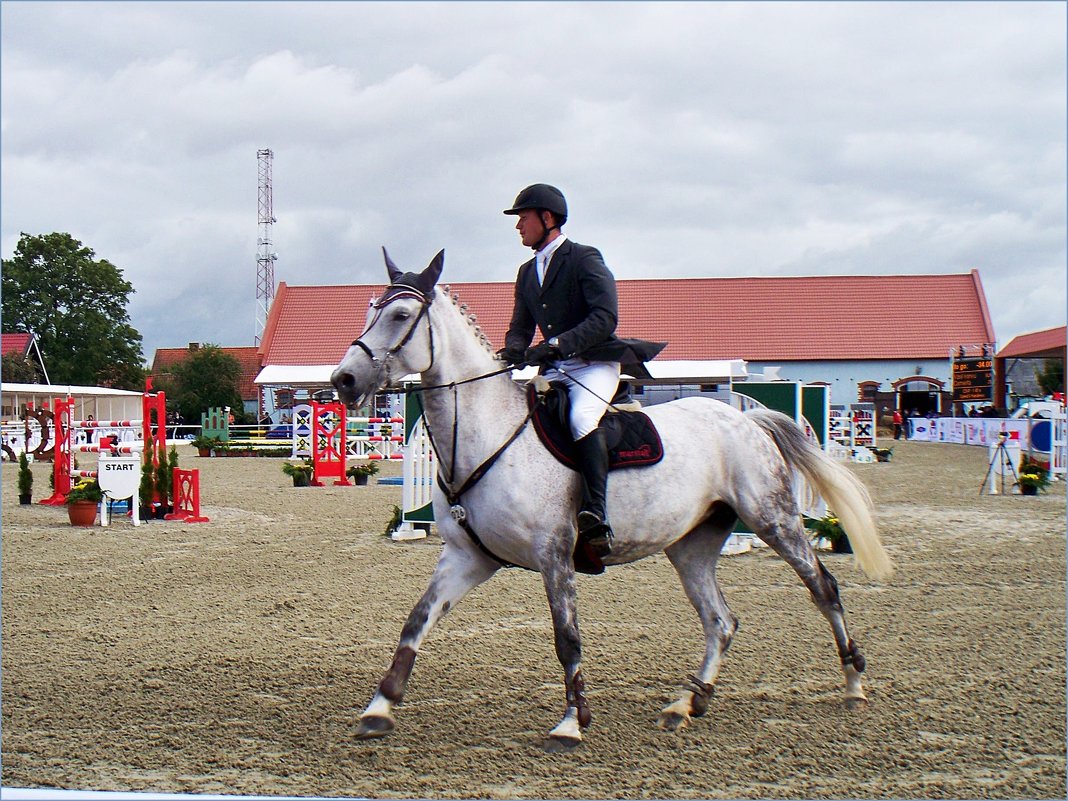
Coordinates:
(844,377)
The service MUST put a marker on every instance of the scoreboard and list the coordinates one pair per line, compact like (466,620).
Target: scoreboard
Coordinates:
(973,379)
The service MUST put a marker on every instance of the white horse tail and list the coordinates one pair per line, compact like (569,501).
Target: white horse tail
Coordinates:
(844,493)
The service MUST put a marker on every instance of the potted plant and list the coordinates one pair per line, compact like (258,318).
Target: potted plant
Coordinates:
(25,479)
(146,491)
(163,485)
(204,445)
(82,501)
(394,522)
(300,471)
(881,454)
(361,472)
(829,528)
(1032,477)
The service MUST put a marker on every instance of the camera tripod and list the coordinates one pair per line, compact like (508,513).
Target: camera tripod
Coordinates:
(1002,459)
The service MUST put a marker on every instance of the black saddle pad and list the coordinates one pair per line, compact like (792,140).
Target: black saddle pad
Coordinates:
(632,439)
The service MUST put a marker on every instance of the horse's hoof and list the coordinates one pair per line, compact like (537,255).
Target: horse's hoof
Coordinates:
(856,703)
(672,721)
(557,744)
(371,727)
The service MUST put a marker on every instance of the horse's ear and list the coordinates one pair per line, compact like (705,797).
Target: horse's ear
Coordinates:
(429,277)
(391,268)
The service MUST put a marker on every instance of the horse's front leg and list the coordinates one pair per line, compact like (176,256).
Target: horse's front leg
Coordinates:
(558,573)
(457,572)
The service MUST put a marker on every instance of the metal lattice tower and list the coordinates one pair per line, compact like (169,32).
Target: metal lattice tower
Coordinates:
(265,256)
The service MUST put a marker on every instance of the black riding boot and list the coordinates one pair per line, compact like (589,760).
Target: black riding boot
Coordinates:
(592,453)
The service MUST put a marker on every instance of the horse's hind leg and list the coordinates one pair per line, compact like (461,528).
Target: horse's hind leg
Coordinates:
(789,541)
(456,573)
(694,558)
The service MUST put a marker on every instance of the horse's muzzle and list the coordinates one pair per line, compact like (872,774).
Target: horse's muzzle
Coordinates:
(346,384)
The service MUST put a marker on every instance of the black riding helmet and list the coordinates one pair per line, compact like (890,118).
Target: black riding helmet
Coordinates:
(541,196)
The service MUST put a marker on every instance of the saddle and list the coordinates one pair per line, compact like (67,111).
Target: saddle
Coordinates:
(632,439)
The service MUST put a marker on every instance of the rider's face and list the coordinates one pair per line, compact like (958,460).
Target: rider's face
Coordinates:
(530,227)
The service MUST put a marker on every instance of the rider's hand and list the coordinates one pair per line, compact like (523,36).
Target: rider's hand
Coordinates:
(510,355)
(542,354)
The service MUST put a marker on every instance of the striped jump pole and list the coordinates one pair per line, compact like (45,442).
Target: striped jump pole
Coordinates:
(153,424)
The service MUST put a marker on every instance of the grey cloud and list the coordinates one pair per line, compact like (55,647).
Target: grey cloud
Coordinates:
(690,138)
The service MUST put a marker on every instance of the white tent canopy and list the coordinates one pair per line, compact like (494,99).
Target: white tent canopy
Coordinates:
(721,371)
(311,376)
(103,403)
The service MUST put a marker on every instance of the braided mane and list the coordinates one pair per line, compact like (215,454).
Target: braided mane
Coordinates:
(472,319)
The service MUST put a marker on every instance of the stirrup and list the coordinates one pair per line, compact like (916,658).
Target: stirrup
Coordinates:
(596,533)
(588,521)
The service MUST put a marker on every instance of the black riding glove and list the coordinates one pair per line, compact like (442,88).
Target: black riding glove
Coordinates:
(510,355)
(543,354)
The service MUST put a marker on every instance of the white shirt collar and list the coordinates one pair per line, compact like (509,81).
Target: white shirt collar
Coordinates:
(546,252)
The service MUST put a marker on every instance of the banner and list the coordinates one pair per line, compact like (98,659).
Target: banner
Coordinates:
(971,431)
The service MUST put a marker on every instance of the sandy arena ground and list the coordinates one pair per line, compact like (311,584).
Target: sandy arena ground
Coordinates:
(234,656)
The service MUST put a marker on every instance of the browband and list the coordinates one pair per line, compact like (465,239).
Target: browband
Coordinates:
(395,291)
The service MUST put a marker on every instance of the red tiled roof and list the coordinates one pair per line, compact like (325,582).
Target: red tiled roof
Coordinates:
(15,343)
(1050,343)
(247,357)
(822,318)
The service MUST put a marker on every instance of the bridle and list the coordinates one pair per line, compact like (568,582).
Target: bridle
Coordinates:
(459,514)
(392,293)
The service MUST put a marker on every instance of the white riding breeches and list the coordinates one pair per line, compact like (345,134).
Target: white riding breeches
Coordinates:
(590,388)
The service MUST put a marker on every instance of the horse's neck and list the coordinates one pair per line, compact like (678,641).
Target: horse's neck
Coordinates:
(482,413)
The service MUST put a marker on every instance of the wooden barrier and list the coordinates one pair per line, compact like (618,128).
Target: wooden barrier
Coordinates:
(186,497)
(328,444)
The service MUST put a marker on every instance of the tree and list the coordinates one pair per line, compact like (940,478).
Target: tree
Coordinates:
(207,377)
(20,368)
(76,305)
(1051,377)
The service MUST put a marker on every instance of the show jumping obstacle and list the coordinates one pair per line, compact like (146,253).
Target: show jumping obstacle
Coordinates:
(152,448)
(501,500)
(153,440)
(186,497)
(332,445)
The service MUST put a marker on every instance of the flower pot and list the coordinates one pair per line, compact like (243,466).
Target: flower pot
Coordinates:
(82,513)
(204,451)
(841,545)
(360,479)
(26,499)
(301,480)
(1028,489)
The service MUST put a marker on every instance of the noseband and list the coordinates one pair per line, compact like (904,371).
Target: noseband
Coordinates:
(396,292)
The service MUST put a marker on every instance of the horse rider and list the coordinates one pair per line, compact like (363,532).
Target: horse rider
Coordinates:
(569,295)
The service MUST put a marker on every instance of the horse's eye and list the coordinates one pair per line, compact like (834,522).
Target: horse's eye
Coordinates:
(400,315)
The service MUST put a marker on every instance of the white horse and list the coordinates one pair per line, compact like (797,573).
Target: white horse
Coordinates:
(503,500)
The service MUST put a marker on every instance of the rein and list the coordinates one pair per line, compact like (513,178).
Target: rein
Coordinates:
(417,390)
(459,514)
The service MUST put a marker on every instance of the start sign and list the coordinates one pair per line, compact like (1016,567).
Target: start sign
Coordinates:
(973,379)
(119,476)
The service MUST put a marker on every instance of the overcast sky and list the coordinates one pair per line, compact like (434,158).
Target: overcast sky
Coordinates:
(691,139)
